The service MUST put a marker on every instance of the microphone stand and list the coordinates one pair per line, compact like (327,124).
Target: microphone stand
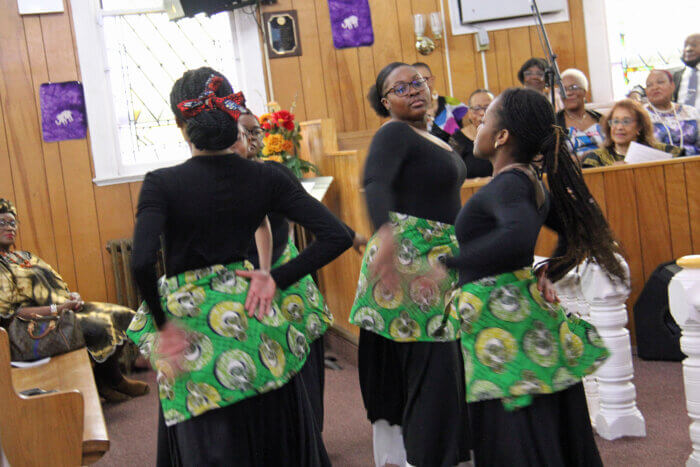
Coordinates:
(552,76)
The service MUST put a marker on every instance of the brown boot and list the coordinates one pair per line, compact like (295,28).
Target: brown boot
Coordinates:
(132,387)
(112,395)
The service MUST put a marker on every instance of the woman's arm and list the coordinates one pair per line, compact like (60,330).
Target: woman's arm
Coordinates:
(263,242)
(29,312)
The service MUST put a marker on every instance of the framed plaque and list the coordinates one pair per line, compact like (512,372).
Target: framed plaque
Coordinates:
(282,34)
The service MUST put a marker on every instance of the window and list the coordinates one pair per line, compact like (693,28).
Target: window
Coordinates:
(131,54)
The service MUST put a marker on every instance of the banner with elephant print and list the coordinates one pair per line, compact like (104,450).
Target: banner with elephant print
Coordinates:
(515,344)
(63,114)
(415,312)
(351,23)
(231,356)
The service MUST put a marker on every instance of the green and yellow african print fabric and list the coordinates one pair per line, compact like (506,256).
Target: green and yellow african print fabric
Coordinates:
(231,356)
(515,344)
(414,312)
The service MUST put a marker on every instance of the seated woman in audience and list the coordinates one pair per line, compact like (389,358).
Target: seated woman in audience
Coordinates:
(581,125)
(463,141)
(29,286)
(532,76)
(675,124)
(626,122)
(445,113)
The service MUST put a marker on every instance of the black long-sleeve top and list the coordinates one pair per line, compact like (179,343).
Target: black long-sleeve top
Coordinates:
(208,209)
(465,148)
(279,225)
(407,173)
(498,227)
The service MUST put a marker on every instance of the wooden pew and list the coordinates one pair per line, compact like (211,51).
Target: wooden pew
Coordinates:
(64,428)
(653,209)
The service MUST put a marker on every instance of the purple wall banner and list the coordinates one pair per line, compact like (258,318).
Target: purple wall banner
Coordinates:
(351,23)
(62,111)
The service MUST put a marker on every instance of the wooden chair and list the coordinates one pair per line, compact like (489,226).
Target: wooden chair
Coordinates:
(64,428)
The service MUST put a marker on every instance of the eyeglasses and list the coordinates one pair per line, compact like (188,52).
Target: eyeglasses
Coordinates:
(574,88)
(539,74)
(624,122)
(479,108)
(254,132)
(401,89)
(5,224)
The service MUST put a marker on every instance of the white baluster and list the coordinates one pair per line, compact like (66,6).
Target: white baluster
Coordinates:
(618,414)
(684,301)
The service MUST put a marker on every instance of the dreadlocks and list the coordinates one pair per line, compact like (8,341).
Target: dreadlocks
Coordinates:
(529,117)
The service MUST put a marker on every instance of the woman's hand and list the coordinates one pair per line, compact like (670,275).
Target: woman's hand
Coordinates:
(171,345)
(74,305)
(359,242)
(260,293)
(74,296)
(383,267)
(545,286)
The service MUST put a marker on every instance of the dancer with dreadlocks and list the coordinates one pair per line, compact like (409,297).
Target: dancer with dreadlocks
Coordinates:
(226,366)
(524,358)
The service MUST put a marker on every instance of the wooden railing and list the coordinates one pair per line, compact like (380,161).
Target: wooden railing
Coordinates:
(653,209)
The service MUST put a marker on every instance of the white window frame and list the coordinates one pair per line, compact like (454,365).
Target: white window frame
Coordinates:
(92,56)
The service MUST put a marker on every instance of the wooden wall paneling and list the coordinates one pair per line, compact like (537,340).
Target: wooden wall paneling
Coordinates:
(435,60)
(135,189)
(351,89)
(562,44)
(596,185)
(506,72)
(329,63)
(491,65)
(624,221)
(75,158)
(464,65)
(692,179)
(52,158)
(368,76)
(519,47)
(310,64)
(7,187)
(23,135)
(407,37)
(678,210)
(535,44)
(652,210)
(578,35)
(546,242)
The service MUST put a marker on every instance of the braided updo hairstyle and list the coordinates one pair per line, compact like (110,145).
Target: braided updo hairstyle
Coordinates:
(374,96)
(529,118)
(212,129)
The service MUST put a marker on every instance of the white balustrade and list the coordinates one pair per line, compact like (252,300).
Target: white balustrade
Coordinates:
(617,414)
(684,301)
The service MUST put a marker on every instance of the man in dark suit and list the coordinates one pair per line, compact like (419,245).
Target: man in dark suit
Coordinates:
(686,79)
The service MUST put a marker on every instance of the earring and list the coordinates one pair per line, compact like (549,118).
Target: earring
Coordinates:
(495,145)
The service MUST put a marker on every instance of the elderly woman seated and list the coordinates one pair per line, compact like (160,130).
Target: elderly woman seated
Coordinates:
(30,287)
(626,122)
(675,124)
(581,125)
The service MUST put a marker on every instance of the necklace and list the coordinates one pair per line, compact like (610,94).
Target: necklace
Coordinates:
(662,120)
(575,118)
(14,258)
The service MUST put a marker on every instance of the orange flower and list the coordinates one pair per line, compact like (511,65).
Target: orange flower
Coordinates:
(288,146)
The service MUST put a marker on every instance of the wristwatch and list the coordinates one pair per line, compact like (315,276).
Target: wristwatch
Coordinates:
(54,309)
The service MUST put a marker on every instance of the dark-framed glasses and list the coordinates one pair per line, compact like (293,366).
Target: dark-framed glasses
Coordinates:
(253,132)
(8,224)
(479,108)
(574,88)
(539,74)
(622,121)
(402,89)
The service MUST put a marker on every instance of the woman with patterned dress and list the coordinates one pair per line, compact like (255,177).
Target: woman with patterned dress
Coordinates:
(29,286)
(226,362)
(581,125)
(626,122)
(524,358)
(674,124)
(409,364)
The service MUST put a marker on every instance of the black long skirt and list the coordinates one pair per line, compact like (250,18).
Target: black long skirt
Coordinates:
(555,430)
(314,375)
(275,428)
(419,386)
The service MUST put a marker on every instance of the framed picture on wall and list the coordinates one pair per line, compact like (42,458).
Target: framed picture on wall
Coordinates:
(282,34)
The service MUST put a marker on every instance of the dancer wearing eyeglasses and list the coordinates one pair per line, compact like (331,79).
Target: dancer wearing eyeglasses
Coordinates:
(409,364)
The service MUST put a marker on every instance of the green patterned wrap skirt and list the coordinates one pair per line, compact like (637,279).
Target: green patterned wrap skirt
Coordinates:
(231,357)
(515,344)
(416,311)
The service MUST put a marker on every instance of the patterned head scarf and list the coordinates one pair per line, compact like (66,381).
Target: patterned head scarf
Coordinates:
(6,206)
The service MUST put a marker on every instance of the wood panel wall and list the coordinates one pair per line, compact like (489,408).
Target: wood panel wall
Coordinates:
(64,217)
(331,83)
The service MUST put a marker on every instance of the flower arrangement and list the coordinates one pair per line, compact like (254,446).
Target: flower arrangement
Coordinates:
(281,142)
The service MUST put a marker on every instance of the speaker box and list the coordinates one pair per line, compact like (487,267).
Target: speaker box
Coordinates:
(658,335)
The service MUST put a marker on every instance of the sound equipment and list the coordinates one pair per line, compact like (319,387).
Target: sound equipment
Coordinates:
(658,335)
(177,9)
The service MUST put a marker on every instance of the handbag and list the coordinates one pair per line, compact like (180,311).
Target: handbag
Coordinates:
(44,336)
